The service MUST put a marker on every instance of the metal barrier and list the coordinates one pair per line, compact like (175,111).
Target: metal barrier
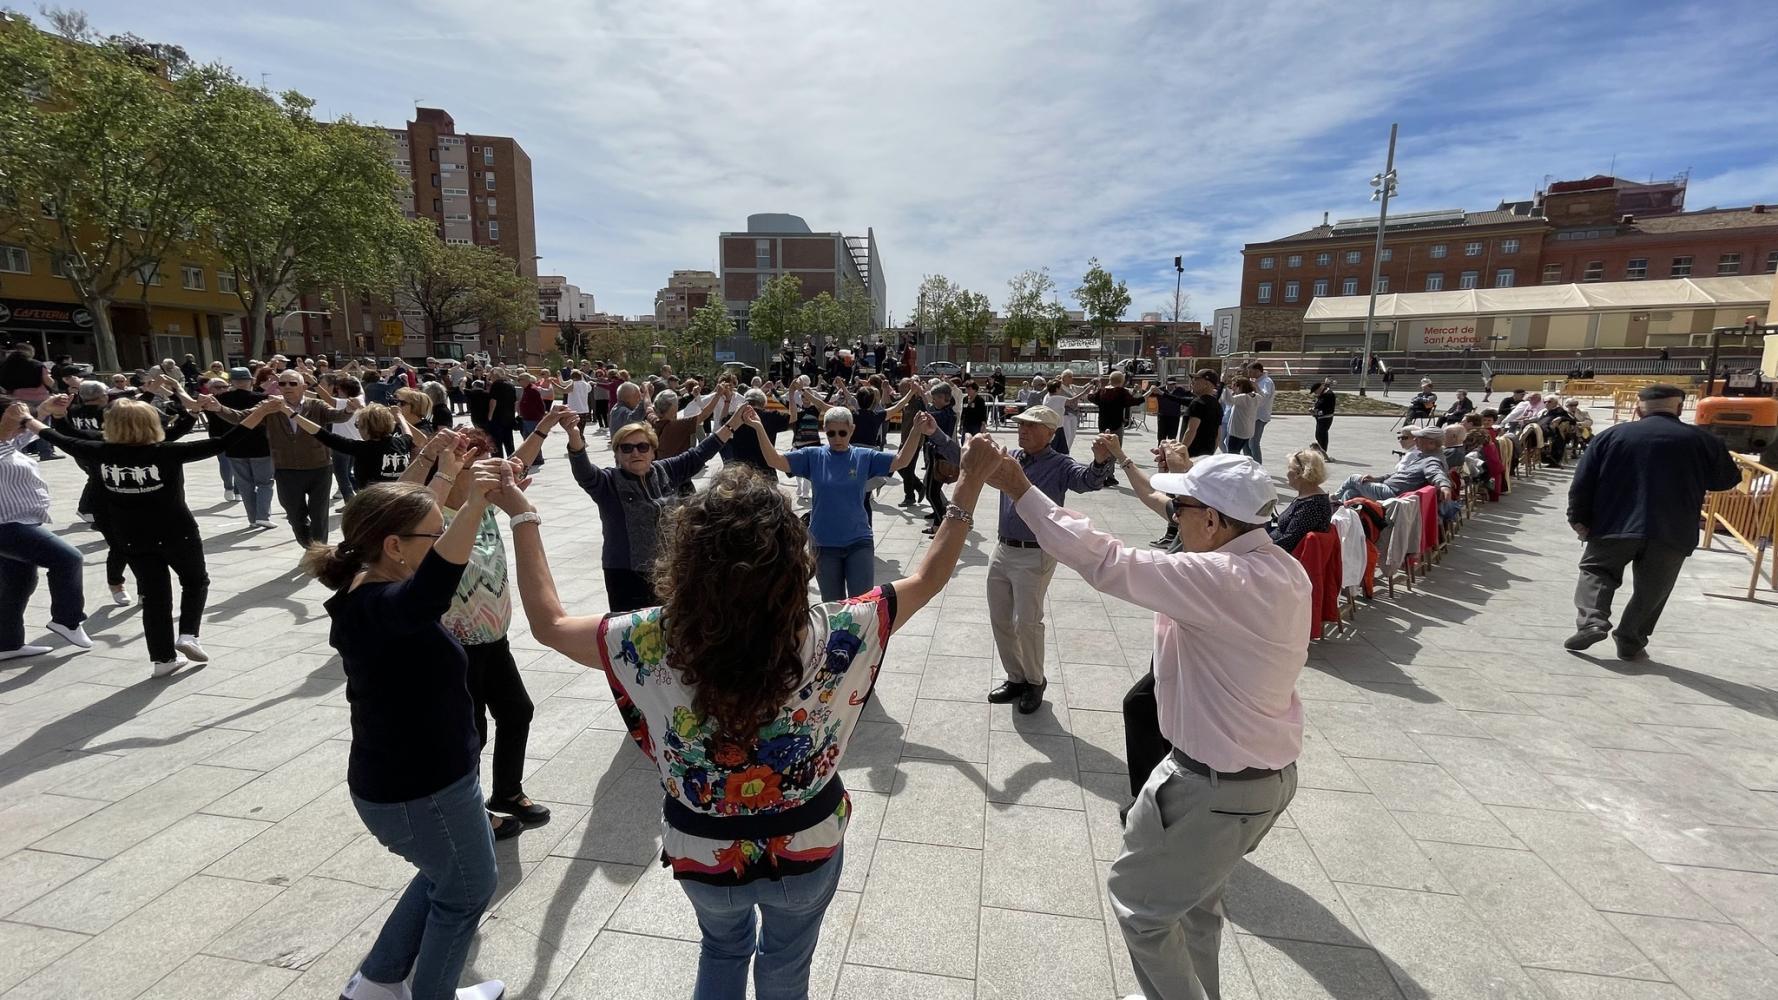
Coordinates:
(1749,513)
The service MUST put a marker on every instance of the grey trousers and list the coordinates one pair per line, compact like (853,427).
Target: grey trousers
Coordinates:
(1602,573)
(1018,579)
(1182,839)
(303,493)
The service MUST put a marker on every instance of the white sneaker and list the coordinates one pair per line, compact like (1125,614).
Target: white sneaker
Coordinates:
(161,668)
(13,654)
(360,988)
(121,598)
(188,644)
(264,524)
(76,636)
(493,989)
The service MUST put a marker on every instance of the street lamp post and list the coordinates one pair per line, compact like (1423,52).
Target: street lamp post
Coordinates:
(1178,276)
(1383,186)
(284,325)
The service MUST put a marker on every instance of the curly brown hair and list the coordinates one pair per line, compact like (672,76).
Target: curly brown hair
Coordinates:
(733,574)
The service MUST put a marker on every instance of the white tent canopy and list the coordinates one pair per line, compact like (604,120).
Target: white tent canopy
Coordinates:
(1672,293)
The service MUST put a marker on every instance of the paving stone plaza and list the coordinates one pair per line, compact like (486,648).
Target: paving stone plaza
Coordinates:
(1481,814)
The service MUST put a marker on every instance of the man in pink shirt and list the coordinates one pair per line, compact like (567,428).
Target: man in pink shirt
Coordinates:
(1231,631)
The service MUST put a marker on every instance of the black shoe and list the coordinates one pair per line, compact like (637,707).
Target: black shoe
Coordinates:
(1008,691)
(1584,638)
(505,828)
(931,529)
(1111,482)
(1627,650)
(1031,697)
(522,809)
(908,503)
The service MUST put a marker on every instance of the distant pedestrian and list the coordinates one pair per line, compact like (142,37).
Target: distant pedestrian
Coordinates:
(1634,501)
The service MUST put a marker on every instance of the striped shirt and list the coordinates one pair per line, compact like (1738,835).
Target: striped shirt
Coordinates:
(24,499)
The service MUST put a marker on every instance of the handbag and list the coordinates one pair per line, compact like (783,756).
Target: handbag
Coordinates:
(945,471)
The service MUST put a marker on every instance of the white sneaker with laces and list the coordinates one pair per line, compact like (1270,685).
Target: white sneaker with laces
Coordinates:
(13,654)
(121,598)
(360,988)
(188,644)
(76,636)
(161,668)
(493,989)
(265,524)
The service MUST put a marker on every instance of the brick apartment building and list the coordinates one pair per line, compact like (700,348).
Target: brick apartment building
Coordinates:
(1598,229)
(685,293)
(775,244)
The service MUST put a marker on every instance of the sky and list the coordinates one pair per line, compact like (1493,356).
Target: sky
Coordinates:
(980,138)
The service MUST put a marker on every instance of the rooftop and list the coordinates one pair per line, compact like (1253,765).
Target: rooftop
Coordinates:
(1608,296)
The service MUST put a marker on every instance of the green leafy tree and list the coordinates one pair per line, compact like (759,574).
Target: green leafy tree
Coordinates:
(709,324)
(292,204)
(934,306)
(570,341)
(1028,316)
(967,316)
(1104,299)
(777,315)
(102,158)
(821,317)
(443,289)
(856,317)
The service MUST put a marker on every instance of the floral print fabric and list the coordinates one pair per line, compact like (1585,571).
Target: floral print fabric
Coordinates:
(785,764)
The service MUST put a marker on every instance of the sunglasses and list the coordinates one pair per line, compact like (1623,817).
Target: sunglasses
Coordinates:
(282,382)
(834,432)
(635,447)
(434,535)
(1177,504)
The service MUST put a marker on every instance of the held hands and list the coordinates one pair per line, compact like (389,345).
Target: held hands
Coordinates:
(744,415)
(54,406)
(498,484)
(1102,447)
(981,454)
(925,424)
(13,420)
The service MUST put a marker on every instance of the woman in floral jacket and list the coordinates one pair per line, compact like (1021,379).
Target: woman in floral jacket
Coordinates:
(745,698)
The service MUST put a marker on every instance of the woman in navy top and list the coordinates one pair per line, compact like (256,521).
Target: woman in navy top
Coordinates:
(415,757)
(838,475)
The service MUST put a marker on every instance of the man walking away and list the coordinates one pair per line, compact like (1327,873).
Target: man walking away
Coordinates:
(1634,501)
(1267,389)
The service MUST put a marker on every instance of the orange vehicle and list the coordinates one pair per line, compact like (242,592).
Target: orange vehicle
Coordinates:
(1747,424)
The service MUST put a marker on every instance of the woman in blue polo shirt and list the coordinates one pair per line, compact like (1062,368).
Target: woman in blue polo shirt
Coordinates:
(839,520)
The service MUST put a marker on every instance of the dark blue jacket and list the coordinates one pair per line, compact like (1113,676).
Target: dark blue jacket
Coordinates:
(1647,479)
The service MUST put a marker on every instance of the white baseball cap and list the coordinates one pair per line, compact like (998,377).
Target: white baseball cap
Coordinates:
(1040,415)
(1232,485)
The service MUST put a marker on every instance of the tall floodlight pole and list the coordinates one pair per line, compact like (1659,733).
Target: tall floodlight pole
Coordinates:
(1178,276)
(1382,187)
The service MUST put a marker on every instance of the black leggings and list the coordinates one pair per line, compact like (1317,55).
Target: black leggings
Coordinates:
(911,488)
(498,689)
(628,590)
(155,564)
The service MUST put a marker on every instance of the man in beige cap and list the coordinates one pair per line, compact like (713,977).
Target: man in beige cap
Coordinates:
(1019,572)
(1231,636)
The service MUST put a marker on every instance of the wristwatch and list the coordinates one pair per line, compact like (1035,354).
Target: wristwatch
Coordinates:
(528,517)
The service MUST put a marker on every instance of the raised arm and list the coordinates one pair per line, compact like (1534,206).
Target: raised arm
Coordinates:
(910,443)
(580,464)
(575,636)
(916,591)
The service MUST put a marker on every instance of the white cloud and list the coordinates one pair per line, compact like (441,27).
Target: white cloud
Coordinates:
(980,139)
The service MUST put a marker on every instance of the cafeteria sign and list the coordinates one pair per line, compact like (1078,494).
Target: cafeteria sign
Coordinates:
(26,314)
(1078,344)
(1442,334)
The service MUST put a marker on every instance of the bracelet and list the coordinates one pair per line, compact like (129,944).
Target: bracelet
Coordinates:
(528,517)
(448,479)
(1128,463)
(956,513)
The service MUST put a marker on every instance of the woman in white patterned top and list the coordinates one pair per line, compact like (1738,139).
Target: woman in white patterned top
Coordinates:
(745,697)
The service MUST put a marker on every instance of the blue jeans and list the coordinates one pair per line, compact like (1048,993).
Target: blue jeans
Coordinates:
(1259,430)
(23,548)
(525,429)
(446,835)
(1355,486)
(253,480)
(846,570)
(342,475)
(792,908)
(228,473)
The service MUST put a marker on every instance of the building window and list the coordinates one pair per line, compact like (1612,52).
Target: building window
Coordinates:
(437,206)
(762,253)
(766,279)
(1323,259)
(1509,246)
(1388,255)
(1438,251)
(488,181)
(1552,274)
(493,230)
(191,278)
(1294,260)
(1293,290)
(1382,284)
(1772,262)
(1468,279)
(1595,271)
(1472,249)
(432,154)
(1265,291)
(1682,267)
(457,241)
(435,181)
(1636,269)
(1320,288)
(491,208)
(1504,278)
(225,282)
(14,260)
(1354,256)
(58,265)
(1728,263)
(1435,282)
(487,156)
(1265,263)
(456,192)
(1349,286)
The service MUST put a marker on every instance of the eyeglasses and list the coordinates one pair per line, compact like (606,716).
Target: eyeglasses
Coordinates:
(838,432)
(635,447)
(1177,504)
(434,535)
(283,382)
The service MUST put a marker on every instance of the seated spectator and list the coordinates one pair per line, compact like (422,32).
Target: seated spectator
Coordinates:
(1459,409)
(1583,425)
(1424,404)
(1558,432)
(1454,449)
(1524,412)
(1423,466)
(1311,510)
